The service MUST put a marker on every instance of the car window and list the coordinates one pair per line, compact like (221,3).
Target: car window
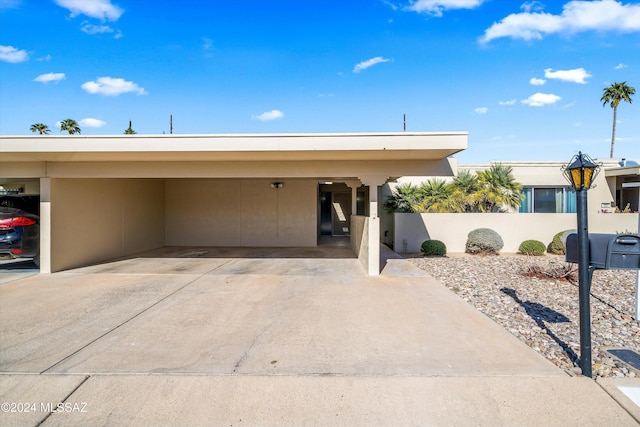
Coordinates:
(29,204)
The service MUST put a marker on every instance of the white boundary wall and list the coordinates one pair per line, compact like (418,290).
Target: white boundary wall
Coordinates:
(514,228)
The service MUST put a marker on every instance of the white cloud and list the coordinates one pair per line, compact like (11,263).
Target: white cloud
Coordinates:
(577,75)
(541,99)
(509,102)
(91,123)
(99,29)
(45,58)
(481,110)
(390,4)
(95,29)
(269,115)
(577,16)
(369,63)
(532,6)
(13,55)
(110,86)
(49,77)
(100,9)
(621,66)
(537,82)
(435,7)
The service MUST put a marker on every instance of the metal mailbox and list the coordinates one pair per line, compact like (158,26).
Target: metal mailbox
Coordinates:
(608,251)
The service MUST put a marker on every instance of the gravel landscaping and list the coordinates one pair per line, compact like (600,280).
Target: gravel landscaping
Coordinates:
(543,312)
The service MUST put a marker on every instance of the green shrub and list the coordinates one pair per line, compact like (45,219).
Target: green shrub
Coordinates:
(483,241)
(559,243)
(532,247)
(433,247)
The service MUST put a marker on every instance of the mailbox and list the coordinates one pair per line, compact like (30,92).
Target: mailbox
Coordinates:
(608,251)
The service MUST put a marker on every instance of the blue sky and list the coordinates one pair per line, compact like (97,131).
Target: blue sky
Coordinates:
(523,78)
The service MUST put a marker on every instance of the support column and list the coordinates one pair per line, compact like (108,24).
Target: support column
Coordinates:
(372,262)
(45,225)
(353,184)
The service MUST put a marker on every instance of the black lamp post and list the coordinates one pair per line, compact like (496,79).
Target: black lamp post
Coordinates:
(581,172)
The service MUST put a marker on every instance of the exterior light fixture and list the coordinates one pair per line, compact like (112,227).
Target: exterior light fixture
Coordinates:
(581,173)
(277,185)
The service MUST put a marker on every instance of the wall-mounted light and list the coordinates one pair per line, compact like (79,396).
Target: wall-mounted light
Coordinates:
(277,185)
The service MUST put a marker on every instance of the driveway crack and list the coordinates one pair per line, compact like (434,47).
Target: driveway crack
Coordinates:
(246,353)
(52,410)
(281,302)
(130,319)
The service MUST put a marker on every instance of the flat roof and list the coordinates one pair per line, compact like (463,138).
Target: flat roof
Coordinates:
(234,147)
(626,171)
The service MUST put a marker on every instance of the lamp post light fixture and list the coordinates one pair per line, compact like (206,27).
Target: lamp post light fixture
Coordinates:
(581,173)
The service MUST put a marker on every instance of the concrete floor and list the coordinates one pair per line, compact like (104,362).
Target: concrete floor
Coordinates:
(222,336)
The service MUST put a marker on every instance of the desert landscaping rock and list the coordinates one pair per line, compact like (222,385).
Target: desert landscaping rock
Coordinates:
(543,312)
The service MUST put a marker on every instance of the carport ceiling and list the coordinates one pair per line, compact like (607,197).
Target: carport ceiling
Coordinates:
(258,147)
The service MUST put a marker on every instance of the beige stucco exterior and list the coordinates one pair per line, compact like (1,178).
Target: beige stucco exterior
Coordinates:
(549,174)
(94,220)
(410,230)
(104,197)
(240,212)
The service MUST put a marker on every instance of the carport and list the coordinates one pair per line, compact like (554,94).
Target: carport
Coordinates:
(105,197)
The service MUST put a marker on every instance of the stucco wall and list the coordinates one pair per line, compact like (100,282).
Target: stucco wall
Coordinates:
(94,220)
(365,236)
(514,228)
(240,212)
(358,225)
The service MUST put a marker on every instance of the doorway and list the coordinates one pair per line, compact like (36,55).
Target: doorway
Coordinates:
(340,214)
(335,211)
(335,214)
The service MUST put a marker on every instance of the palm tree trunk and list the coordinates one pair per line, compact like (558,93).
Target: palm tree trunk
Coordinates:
(613,132)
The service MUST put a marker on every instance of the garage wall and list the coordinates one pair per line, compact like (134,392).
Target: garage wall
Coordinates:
(95,220)
(240,212)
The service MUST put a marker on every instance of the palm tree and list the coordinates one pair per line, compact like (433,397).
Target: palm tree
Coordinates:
(612,95)
(41,128)
(129,130)
(403,199)
(465,185)
(499,189)
(435,197)
(69,125)
(490,190)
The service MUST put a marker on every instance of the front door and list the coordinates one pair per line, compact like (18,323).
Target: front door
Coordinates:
(340,214)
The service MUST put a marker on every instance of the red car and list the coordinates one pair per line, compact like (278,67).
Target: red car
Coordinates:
(20,227)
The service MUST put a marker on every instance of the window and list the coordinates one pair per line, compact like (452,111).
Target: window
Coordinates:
(548,200)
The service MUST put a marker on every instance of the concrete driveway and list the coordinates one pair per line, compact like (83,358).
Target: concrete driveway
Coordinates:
(270,337)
